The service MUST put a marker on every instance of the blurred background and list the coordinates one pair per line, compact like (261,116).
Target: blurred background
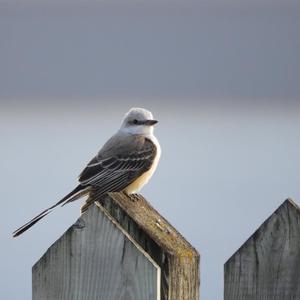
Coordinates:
(223,78)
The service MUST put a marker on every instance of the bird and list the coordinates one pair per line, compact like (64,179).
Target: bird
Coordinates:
(125,163)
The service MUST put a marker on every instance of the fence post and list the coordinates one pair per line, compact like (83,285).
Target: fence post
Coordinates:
(119,249)
(267,266)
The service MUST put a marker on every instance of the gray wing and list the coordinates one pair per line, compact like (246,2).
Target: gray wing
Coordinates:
(114,173)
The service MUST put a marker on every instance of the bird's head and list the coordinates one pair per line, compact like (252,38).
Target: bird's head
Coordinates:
(138,121)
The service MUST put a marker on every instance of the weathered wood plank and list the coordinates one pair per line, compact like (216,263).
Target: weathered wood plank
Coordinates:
(96,259)
(178,260)
(267,266)
(121,249)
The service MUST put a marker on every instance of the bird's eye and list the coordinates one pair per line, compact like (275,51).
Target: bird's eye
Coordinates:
(135,121)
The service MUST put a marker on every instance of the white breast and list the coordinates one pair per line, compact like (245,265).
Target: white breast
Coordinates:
(136,186)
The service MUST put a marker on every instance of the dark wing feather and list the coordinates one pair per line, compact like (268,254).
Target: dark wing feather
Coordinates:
(93,168)
(113,174)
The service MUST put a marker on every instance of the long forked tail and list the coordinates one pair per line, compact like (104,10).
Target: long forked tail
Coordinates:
(78,192)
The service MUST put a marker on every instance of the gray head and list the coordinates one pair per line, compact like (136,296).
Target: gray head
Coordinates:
(138,121)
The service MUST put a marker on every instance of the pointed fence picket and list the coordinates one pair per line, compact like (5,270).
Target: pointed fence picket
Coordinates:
(119,249)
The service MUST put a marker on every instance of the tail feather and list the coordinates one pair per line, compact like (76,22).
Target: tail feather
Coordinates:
(78,192)
(26,226)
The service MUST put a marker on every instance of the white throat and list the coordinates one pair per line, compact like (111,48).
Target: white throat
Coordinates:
(140,129)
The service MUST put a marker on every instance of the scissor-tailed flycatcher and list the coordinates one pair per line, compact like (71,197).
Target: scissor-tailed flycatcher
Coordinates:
(125,163)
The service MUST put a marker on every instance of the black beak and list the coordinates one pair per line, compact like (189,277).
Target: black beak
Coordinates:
(150,122)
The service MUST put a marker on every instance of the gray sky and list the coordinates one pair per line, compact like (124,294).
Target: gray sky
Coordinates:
(222,78)
(160,50)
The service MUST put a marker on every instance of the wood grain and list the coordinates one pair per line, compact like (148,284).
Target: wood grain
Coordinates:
(178,260)
(121,248)
(96,259)
(267,266)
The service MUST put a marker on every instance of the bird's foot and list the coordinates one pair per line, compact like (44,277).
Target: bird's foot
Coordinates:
(134,197)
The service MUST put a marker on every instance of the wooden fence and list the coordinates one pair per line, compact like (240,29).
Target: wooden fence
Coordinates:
(267,266)
(120,249)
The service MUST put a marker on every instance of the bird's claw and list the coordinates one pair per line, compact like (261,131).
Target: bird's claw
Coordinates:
(134,197)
